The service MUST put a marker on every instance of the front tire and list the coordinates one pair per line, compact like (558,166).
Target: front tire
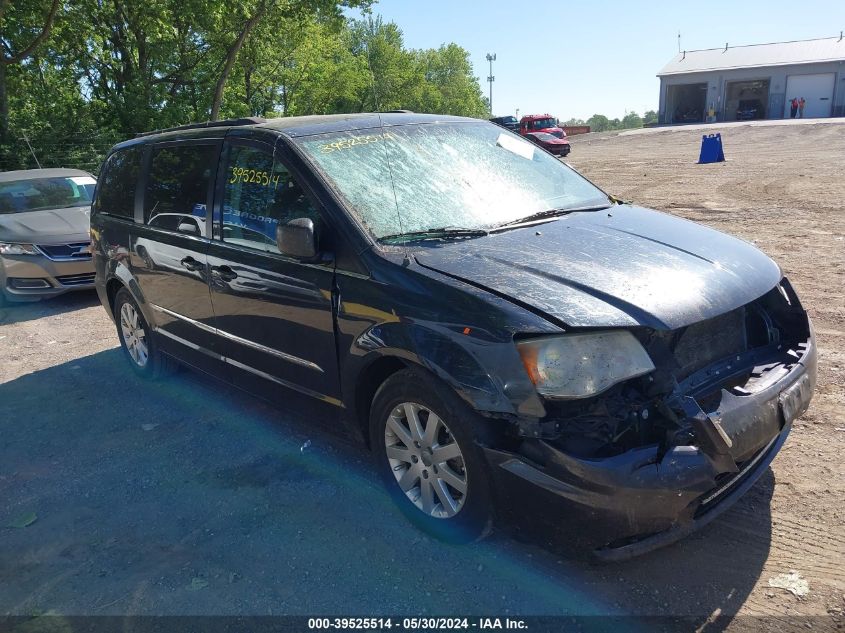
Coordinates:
(424,441)
(137,339)
(144,254)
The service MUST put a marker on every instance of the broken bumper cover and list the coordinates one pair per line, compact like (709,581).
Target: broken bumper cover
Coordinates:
(638,501)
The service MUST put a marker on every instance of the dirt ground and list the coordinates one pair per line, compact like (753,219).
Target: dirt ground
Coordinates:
(186,497)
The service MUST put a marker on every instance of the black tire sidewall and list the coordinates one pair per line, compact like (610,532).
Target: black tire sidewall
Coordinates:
(474,520)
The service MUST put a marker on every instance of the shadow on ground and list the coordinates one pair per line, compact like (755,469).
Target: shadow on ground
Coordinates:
(19,312)
(188,497)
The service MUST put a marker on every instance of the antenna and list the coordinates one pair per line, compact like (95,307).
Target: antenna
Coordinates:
(679,41)
(370,26)
(31,151)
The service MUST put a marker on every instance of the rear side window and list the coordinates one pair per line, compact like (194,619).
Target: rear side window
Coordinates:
(117,183)
(177,184)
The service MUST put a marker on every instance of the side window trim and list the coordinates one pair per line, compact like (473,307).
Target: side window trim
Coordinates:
(141,187)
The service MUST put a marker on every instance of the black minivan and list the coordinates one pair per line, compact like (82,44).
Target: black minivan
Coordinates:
(490,323)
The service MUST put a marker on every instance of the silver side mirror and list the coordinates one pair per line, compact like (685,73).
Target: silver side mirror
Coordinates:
(186,226)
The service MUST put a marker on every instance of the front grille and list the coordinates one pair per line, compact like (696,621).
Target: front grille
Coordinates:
(83,279)
(75,251)
(706,342)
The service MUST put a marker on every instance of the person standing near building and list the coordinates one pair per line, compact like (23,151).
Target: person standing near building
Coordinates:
(801,105)
(793,107)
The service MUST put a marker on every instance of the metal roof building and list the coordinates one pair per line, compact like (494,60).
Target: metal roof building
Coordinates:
(754,81)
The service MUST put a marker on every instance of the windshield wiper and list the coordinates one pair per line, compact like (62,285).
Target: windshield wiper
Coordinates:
(436,233)
(552,213)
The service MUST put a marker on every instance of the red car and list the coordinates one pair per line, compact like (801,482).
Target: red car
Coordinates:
(540,123)
(553,144)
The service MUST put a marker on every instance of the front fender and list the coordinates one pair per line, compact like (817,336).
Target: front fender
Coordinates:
(484,371)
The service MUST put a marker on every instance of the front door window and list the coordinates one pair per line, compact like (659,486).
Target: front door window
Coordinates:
(260,194)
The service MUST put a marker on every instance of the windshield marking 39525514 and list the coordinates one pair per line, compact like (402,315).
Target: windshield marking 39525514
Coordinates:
(467,175)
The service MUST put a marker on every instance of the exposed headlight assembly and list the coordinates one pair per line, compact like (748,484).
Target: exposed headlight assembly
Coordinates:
(9,248)
(583,365)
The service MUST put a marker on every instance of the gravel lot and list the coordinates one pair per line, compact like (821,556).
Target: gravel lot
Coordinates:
(187,497)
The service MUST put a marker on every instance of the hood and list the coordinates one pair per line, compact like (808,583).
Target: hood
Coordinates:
(56,225)
(554,131)
(621,267)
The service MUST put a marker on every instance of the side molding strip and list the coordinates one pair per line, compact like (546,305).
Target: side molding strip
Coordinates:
(252,370)
(237,339)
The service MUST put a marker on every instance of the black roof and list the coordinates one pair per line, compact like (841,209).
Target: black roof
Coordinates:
(298,126)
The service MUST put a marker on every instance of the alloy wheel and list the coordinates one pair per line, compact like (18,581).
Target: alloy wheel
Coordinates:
(134,335)
(426,460)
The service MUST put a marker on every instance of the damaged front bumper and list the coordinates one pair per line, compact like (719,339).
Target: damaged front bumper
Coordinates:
(648,497)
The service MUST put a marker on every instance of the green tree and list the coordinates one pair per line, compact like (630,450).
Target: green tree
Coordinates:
(434,80)
(650,117)
(394,80)
(631,120)
(322,75)
(598,123)
(451,87)
(99,71)
(23,28)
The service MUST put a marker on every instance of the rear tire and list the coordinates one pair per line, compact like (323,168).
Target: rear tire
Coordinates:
(138,340)
(424,441)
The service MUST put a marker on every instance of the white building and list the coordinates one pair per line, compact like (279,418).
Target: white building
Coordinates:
(755,81)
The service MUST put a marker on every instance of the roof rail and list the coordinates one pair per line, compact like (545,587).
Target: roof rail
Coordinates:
(252,120)
(397,112)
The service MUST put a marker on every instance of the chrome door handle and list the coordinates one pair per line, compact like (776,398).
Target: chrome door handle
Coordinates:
(224,272)
(191,264)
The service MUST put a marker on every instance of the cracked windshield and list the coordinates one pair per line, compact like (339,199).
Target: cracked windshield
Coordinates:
(463,175)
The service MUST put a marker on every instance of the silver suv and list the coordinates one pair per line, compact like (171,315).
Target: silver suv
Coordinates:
(44,233)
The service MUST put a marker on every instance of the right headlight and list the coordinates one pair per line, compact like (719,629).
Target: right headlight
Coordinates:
(11,248)
(583,365)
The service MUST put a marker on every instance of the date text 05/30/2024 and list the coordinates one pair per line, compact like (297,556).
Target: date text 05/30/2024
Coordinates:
(417,624)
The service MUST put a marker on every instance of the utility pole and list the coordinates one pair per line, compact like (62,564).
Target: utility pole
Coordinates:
(491,78)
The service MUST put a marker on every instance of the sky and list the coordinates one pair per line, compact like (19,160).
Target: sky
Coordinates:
(576,59)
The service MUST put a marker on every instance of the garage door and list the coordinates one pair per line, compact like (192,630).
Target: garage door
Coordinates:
(817,90)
